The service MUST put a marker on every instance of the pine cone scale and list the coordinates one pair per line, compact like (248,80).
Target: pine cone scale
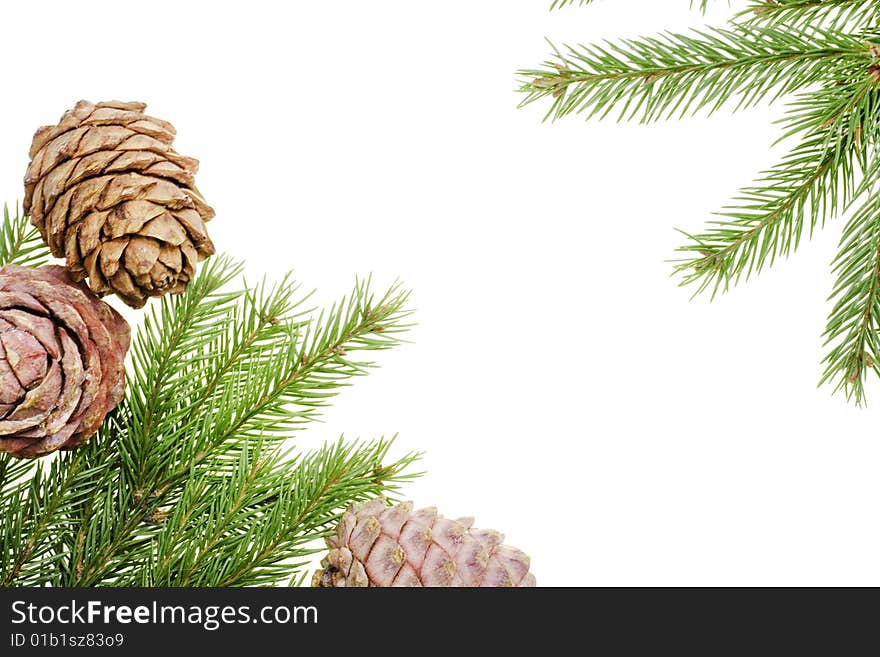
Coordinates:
(384,561)
(110,195)
(415,539)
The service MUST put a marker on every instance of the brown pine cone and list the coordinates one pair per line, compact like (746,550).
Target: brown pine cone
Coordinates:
(108,193)
(378,545)
(61,361)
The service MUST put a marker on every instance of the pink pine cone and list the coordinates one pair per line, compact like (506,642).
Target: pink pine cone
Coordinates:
(378,545)
(62,351)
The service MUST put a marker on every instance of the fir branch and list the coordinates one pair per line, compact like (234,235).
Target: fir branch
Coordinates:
(810,185)
(267,515)
(851,334)
(20,243)
(35,519)
(851,15)
(679,74)
(828,51)
(558,4)
(219,380)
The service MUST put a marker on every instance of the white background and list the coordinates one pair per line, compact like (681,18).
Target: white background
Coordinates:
(565,390)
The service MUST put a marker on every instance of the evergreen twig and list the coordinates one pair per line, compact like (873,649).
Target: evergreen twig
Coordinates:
(827,53)
(851,334)
(189,481)
(815,181)
(672,74)
(853,15)
(20,243)
(558,4)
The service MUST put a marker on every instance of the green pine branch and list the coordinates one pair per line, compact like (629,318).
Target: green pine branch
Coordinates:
(655,78)
(851,15)
(275,507)
(189,481)
(828,53)
(851,334)
(840,14)
(558,4)
(810,185)
(20,243)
